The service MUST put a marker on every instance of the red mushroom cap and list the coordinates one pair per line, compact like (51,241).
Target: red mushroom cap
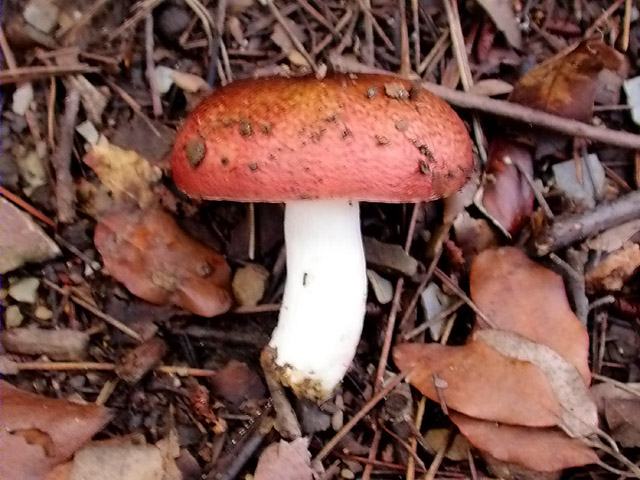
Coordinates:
(364,138)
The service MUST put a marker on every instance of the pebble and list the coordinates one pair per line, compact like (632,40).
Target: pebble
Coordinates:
(348,474)
(41,14)
(25,290)
(43,313)
(13,317)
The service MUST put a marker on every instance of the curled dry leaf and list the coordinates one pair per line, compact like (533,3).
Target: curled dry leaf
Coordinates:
(480,382)
(126,174)
(158,262)
(507,197)
(42,432)
(567,85)
(539,449)
(526,298)
(614,270)
(502,14)
(285,461)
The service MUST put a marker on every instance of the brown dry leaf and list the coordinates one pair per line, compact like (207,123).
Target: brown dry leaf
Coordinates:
(480,382)
(579,416)
(122,458)
(567,86)
(539,449)
(520,296)
(148,252)
(285,461)
(126,174)
(623,418)
(236,383)
(502,14)
(507,197)
(135,364)
(42,432)
(614,270)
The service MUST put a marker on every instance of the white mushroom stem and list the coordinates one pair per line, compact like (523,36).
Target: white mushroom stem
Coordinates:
(325,296)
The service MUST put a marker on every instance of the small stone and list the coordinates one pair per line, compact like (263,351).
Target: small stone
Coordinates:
(41,14)
(348,474)
(13,317)
(88,131)
(43,313)
(25,290)
(337,420)
(22,98)
(249,284)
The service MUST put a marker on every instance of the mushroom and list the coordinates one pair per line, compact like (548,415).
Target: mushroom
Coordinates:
(321,146)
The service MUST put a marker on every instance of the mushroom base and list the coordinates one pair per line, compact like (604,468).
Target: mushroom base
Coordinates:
(325,295)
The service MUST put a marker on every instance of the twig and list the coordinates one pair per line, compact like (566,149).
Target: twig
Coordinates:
(137,109)
(88,305)
(286,421)
(577,260)
(151,68)
(416,33)
(532,116)
(367,407)
(143,9)
(294,39)
(440,316)
(626,26)
(61,160)
(437,460)
(107,367)
(533,186)
(463,296)
(31,210)
(369,52)
(405,59)
(568,229)
(376,26)
(24,74)
(65,33)
(411,466)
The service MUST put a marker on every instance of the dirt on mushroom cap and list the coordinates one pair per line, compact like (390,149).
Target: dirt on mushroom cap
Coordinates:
(279,139)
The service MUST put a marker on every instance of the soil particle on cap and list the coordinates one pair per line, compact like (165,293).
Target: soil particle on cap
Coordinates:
(253,166)
(224,161)
(402,125)
(266,128)
(382,140)
(396,90)
(204,270)
(346,133)
(195,150)
(424,167)
(372,92)
(425,151)
(246,129)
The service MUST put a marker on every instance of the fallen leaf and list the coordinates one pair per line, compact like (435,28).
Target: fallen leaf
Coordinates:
(137,135)
(62,344)
(389,257)
(382,288)
(615,238)
(126,174)
(148,252)
(438,438)
(21,239)
(579,416)
(502,14)
(473,235)
(237,383)
(42,432)
(285,461)
(507,197)
(583,182)
(124,458)
(539,449)
(614,270)
(521,296)
(567,85)
(623,418)
(480,382)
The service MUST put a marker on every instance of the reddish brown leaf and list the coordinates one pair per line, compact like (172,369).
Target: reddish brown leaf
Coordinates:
(540,449)
(42,432)
(481,383)
(137,362)
(521,296)
(567,85)
(614,270)
(236,383)
(285,461)
(507,197)
(157,261)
